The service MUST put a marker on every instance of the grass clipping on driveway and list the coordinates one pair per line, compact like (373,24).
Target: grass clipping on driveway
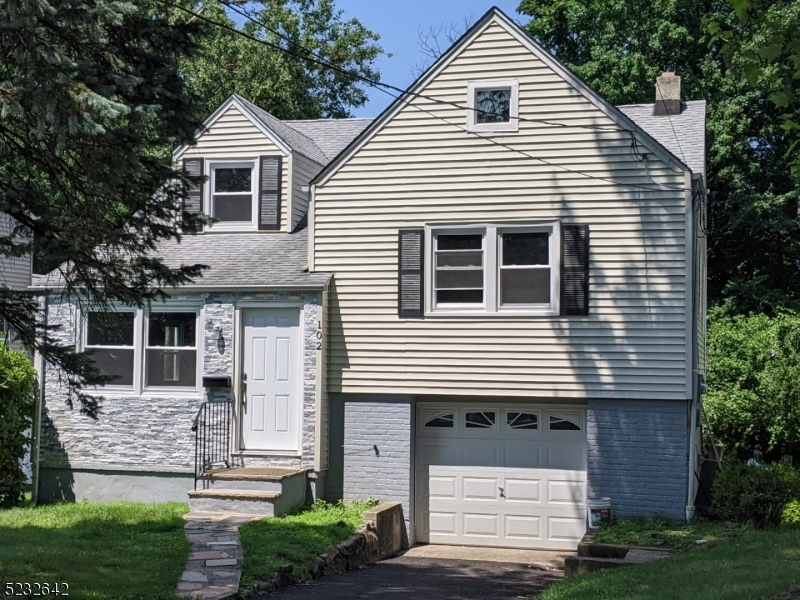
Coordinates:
(121,551)
(296,540)
(747,565)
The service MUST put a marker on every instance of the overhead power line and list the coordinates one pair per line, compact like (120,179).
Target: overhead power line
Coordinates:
(385,87)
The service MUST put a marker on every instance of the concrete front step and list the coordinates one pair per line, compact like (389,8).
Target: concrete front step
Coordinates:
(250,490)
(246,502)
(251,478)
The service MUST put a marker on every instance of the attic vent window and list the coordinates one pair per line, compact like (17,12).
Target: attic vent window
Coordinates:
(493,106)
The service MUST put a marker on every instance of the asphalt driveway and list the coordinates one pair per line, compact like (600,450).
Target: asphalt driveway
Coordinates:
(416,578)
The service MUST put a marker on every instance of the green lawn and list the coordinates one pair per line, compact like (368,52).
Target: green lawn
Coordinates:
(121,551)
(747,565)
(665,532)
(296,539)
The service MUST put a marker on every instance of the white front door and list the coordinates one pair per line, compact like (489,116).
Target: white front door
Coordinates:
(501,475)
(271,407)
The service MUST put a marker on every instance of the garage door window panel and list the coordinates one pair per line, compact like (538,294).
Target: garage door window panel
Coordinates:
(564,423)
(522,420)
(439,420)
(480,420)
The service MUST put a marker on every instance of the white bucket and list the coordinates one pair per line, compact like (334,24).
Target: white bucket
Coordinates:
(599,512)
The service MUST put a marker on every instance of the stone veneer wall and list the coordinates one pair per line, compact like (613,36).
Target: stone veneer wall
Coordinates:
(152,433)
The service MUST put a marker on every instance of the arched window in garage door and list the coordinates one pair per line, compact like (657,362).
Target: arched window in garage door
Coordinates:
(564,423)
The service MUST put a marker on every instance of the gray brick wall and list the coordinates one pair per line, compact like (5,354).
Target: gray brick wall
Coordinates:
(153,432)
(385,474)
(637,456)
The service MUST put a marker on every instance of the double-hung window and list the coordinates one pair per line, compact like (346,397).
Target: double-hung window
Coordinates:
(458,271)
(233,195)
(152,352)
(497,269)
(171,350)
(111,341)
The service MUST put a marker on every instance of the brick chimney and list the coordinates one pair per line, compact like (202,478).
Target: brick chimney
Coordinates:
(668,95)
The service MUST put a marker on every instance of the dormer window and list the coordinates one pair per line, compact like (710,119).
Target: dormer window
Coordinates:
(233,195)
(493,106)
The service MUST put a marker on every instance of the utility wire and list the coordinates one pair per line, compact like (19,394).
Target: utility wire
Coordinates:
(385,87)
(309,56)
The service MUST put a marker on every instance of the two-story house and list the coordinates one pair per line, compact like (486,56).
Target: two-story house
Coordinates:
(487,304)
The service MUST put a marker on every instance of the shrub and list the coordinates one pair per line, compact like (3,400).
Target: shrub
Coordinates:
(754,494)
(18,386)
(753,402)
(791,513)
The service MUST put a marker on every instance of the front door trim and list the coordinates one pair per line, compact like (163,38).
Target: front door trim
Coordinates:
(237,440)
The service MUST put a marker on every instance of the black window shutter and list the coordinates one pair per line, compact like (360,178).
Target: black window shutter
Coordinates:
(410,273)
(269,192)
(574,269)
(193,202)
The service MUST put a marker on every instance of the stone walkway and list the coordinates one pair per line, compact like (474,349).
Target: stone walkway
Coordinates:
(214,567)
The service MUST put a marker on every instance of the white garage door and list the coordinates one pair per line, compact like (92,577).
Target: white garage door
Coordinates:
(509,476)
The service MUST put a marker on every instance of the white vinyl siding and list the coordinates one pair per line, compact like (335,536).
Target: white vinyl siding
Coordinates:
(305,170)
(234,136)
(15,272)
(418,170)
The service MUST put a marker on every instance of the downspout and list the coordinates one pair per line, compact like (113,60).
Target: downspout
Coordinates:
(37,419)
(692,483)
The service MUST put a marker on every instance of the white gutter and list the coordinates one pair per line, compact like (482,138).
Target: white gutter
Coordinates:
(225,288)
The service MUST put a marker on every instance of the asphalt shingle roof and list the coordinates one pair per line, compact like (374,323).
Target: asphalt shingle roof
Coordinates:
(320,140)
(295,139)
(235,260)
(684,135)
(331,135)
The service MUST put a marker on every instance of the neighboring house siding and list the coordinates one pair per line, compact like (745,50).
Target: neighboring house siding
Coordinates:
(234,136)
(304,171)
(419,170)
(15,273)
(637,456)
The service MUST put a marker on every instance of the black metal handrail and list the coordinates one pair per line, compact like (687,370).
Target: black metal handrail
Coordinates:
(212,437)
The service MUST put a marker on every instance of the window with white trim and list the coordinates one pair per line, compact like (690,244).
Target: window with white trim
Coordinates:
(458,269)
(493,106)
(111,341)
(145,352)
(171,350)
(234,201)
(496,269)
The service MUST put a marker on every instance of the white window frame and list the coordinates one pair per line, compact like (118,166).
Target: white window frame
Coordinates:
(554,246)
(491,271)
(137,354)
(140,324)
(211,166)
(460,306)
(198,348)
(473,87)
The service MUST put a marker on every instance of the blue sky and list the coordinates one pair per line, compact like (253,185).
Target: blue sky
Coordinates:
(398,23)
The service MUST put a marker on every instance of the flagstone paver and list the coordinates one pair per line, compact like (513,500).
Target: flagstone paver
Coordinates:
(213,569)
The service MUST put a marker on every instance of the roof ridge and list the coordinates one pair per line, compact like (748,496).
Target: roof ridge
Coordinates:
(327,120)
(252,106)
(699,101)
